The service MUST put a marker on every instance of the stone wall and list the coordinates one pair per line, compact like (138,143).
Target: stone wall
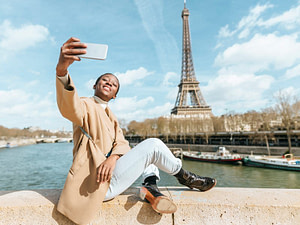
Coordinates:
(218,206)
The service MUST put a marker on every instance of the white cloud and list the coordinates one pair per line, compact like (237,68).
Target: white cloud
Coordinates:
(240,85)
(160,110)
(288,92)
(132,76)
(129,104)
(251,20)
(16,39)
(12,97)
(293,72)
(237,91)
(233,87)
(262,52)
(18,107)
(138,109)
(169,79)
(224,32)
(290,19)
(254,14)
(246,23)
(21,103)
(130,108)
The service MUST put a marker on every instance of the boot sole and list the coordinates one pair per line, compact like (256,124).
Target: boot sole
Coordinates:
(161,204)
(206,189)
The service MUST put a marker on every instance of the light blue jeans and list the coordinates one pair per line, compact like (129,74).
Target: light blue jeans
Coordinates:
(144,159)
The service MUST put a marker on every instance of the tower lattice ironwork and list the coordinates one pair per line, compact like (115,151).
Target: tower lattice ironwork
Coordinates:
(190,100)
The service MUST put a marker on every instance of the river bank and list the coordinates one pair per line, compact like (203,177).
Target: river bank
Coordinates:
(15,142)
(244,150)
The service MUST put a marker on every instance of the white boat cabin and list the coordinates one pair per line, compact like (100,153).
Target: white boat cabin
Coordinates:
(222,151)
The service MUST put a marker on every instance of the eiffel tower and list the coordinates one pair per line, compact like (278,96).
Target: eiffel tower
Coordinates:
(189,86)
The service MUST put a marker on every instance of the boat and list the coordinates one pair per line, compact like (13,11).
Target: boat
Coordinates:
(222,155)
(8,145)
(286,162)
(62,140)
(177,152)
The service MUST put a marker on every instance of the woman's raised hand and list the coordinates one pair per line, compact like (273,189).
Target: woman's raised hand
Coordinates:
(68,54)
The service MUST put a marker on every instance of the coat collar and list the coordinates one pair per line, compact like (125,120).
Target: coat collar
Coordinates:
(101,102)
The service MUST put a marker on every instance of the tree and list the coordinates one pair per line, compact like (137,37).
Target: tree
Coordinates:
(163,127)
(296,109)
(218,123)
(285,109)
(133,127)
(266,116)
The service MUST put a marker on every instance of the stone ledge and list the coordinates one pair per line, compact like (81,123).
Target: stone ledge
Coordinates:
(218,206)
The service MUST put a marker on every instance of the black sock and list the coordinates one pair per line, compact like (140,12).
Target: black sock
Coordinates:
(180,173)
(151,180)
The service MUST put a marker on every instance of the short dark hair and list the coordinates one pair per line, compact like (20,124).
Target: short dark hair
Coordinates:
(108,74)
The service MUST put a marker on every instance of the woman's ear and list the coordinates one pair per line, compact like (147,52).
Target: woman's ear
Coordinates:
(94,87)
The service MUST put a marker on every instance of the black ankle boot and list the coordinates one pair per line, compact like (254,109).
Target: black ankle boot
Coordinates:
(159,202)
(150,186)
(194,181)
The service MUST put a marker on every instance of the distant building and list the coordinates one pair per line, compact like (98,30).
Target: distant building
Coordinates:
(33,129)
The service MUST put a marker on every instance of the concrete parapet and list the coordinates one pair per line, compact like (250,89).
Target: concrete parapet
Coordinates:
(218,206)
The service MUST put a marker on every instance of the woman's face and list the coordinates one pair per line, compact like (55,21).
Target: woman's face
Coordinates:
(107,87)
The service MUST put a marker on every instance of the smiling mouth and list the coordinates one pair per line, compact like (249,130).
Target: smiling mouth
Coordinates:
(106,88)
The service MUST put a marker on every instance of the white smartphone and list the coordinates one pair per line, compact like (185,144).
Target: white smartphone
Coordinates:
(95,51)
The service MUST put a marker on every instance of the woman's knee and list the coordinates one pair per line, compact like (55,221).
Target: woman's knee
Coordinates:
(153,141)
(150,146)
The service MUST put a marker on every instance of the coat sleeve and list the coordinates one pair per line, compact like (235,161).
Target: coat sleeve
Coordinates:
(121,145)
(68,101)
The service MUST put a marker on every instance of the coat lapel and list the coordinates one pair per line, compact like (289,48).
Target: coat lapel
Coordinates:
(106,117)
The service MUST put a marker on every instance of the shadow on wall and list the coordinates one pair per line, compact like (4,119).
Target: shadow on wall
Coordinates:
(46,200)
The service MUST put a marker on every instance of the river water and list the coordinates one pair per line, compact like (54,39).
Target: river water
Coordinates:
(45,166)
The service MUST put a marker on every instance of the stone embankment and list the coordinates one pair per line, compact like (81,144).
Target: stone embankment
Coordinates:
(14,142)
(244,150)
(240,149)
(218,206)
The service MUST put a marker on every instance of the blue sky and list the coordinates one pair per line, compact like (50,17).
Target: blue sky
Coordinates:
(244,52)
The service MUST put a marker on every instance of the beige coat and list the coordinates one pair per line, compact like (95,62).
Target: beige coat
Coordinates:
(82,196)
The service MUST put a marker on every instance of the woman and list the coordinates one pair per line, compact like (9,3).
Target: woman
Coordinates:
(103,167)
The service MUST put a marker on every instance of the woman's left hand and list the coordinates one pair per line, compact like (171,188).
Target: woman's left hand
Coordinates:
(106,168)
